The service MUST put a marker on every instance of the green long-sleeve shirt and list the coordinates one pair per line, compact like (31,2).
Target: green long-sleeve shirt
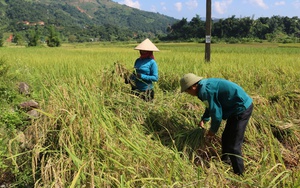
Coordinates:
(222,98)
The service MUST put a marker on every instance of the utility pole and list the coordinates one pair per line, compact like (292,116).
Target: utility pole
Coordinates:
(208,31)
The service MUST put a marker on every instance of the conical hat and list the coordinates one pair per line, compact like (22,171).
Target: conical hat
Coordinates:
(147,45)
(188,80)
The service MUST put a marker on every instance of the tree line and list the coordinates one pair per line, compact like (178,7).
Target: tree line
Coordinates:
(232,29)
(121,23)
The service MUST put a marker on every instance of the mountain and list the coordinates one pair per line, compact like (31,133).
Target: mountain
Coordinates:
(70,14)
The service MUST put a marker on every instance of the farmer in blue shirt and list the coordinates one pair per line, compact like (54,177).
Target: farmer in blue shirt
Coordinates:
(224,100)
(146,71)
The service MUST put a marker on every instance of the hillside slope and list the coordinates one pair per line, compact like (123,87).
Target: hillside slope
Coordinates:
(66,13)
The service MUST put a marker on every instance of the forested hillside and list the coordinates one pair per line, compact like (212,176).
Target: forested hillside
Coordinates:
(102,19)
(105,20)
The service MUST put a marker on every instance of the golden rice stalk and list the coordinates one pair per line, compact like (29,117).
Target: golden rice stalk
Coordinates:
(193,139)
(124,73)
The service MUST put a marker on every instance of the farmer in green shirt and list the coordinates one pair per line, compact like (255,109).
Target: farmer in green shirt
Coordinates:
(224,100)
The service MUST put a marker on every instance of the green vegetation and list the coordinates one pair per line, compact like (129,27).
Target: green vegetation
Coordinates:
(91,132)
(88,20)
(53,39)
(238,30)
(95,20)
(1,40)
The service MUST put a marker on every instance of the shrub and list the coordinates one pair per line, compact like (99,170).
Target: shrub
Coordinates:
(1,40)
(53,39)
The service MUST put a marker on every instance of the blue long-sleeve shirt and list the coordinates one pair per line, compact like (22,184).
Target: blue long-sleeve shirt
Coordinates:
(222,98)
(148,70)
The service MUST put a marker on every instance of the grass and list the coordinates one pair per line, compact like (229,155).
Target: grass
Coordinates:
(93,133)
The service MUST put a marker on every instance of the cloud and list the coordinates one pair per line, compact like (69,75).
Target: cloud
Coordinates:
(296,4)
(192,4)
(153,8)
(131,3)
(221,6)
(163,5)
(260,3)
(279,3)
(178,6)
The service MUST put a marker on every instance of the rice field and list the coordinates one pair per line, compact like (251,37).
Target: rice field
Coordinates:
(91,132)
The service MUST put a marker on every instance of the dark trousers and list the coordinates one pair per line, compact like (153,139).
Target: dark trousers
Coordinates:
(147,95)
(233,137)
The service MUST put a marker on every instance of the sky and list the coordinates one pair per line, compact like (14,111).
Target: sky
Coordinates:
(220,8)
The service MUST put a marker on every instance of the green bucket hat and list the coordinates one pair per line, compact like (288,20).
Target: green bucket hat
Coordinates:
(188,80)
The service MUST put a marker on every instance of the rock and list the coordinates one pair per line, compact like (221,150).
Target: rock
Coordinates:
(24,89)
(29,105)
(33,114)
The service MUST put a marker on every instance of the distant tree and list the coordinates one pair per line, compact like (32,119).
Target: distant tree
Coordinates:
(275,24)
(72,38)
(218,29)
(179,30)
(1,40)
(231,25)
(33,37)
(53,39)
(18,39)
(260,27)
(244,27)
(196,27)
(291,25)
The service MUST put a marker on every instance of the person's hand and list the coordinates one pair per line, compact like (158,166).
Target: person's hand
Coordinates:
(201,124)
